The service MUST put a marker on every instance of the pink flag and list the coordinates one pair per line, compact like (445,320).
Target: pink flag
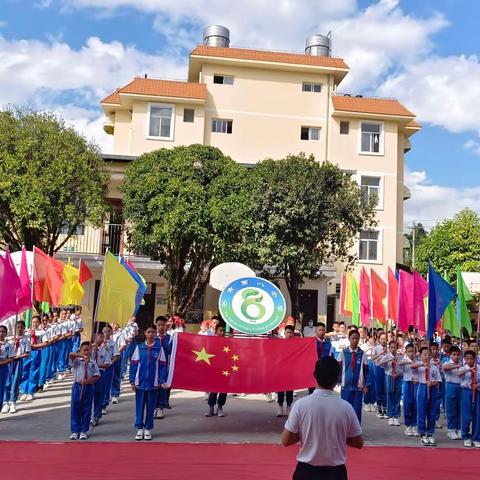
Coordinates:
(10,287)
(405,300)
(365,309)
(420,291)
(24,301)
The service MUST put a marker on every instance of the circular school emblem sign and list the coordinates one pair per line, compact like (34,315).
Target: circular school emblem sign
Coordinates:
(252,305)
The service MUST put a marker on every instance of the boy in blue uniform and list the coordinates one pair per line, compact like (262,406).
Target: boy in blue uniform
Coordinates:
(288,395)
(369,397)
(118,367)
(101,356)
(7,356)
(148,372)
(470,376)
(353,362)
(428,397)
(453,392)
(85,373)
(166,342)
(112,349)
(409,391)
(324,347)
(218,399)
(378,352)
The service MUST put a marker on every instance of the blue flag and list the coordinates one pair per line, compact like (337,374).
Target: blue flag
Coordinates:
(440,294)
(142,288)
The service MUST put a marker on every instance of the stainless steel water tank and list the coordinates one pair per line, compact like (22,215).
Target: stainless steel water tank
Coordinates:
(320,45)
(216,36)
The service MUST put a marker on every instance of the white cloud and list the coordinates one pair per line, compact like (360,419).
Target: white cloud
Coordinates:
(432,203)
(472,146)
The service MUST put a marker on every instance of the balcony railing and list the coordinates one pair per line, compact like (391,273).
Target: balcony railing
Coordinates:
(97,240)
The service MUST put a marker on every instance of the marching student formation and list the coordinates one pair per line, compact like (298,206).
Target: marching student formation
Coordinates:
(381,372)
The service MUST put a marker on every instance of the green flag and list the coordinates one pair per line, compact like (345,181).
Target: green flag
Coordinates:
(28,317)
(463,296)
(45,307)
(449,319)
(355,303)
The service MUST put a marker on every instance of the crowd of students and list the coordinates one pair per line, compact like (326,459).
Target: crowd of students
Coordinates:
(381,372)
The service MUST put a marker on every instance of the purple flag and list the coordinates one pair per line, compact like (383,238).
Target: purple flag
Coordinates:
(24,301)
(420,292)
(405,300)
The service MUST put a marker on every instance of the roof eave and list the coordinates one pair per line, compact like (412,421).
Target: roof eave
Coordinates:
(166,98)
(379,116)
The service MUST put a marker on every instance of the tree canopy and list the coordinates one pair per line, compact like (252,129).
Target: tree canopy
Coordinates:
(51,181)
(305,215)
(187,207)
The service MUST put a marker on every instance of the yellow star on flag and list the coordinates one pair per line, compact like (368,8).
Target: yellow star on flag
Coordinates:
(203,355)
(235,358)
(226,373)
(235,368)
(226,349)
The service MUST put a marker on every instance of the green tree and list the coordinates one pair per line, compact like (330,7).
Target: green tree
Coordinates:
(51,181)
(414,237)
(188,207)
(306,214)
(450,243)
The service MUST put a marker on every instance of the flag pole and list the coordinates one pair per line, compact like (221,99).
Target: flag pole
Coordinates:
(95,323)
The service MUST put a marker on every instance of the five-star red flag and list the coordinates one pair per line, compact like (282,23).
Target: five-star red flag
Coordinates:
(241,365)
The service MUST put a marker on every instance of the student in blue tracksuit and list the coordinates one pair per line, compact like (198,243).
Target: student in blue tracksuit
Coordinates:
(118,372)
(453,392)
(393,384)
(428,397)
(435,359)
(470,378)
(56,336)
(378,352)
(409,391)
(214,398)
(324,346)
(85,373)
(47,353)
(369,398)
(7,356)
(353,362)
(148,373)
(101,356)
(111,346)
(166,342)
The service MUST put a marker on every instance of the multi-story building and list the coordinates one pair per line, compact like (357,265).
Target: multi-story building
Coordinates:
(254,104)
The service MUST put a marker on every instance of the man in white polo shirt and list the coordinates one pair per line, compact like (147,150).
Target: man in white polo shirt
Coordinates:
(324,424)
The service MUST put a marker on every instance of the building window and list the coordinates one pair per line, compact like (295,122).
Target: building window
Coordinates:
(371,138)
(188,115)
(220,125)
(79,230)
(344,128)
(311,87)
(223,79)
(371,186)
(369,245)
(310,133)
(160,123)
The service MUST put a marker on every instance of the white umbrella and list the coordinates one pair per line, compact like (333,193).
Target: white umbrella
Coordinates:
(225,273)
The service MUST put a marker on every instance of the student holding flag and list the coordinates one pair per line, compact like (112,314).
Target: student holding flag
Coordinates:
(7,356)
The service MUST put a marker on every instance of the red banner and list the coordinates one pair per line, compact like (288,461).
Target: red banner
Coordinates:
(241,365)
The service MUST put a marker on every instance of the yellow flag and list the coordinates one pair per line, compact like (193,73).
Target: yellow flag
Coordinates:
(72,291)
(348,292)
(117,296)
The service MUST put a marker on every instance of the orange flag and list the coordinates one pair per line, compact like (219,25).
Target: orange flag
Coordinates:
(47,278)
(392,296)
(379,293)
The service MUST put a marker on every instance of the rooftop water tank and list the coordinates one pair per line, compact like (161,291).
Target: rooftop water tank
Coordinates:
(319,45)
(216,36)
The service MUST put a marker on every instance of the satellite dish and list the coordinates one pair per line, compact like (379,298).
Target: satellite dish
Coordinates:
(225,273)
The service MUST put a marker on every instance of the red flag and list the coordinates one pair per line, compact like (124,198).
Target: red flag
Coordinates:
(365,300)
(48,278)
(84,273)
(420,292)
(392,296)
(379,293)
(405,301)
(241,365)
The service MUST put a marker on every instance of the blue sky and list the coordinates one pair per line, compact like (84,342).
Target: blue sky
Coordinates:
(66,54)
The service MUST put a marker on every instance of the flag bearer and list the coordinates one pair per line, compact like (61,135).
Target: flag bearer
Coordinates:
(166,342)
(148,373)
(453,392)
(112,348)
(353,362)
(47,353)
(101,356)
(85,374)
(7,356)
(378,352)
(409,391)
(285,396)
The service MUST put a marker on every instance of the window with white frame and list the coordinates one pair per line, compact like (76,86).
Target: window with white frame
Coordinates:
(371,137)
(369,245)
(223,79)
(220,125)
(371,186)
(160,123)
(311,87)
(310,133)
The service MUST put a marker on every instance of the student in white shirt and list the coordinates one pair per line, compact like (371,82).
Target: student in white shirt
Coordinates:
(7,356)
(453,393)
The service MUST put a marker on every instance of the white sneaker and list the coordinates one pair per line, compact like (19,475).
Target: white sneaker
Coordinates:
(431,440)
(161,413)
(139,435)
(279,412)
(391,421)
(209,412)
(438,425)
(366,408)
(83,436)
(415,432)
(408,431)
(424,440)
(104,411)
(147,435)
(29,398)
(396,422)
(459,434)
(74,436)
(373,407)
(476,444)
(468,443)
(269,397)
(220,412)
(5,408)
(114,400)
(12,409)
(379,415)
(23,397)
(452,434)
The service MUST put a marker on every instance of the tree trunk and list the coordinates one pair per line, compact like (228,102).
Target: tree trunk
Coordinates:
(293,282)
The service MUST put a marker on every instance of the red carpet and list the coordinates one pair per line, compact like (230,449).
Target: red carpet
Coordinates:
(168,461)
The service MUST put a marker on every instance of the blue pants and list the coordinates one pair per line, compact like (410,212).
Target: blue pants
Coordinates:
(117,377)
(63,355)
(161,399)
(124,360)
(34,374)
(54,360)
(144,408)
(98,394)
(45,366)
(470,415)
(393,387)
(81,407)
(214,398)
(355,399)
(427,404)
(76,342)
(410,403)
(107,386)
(453,405)
(441,403)
(380,388)
(27,362)
(369,398)
(3,380)
(12,384)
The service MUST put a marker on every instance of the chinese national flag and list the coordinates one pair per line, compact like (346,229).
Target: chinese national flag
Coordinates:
(379,293)
(241,365)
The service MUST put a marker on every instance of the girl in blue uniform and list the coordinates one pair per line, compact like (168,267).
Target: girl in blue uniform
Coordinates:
(378,352)
(409,391)
(7,356)
(453,392)
(148,373)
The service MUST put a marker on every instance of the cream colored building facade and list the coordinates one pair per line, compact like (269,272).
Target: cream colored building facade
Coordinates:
(253,105)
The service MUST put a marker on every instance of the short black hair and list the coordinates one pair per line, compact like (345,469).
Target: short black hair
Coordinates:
(433,343)
(161,318)
(423,349)
(35,316)
(335,322)
(341,323)
(392,342)
(21,323)
(84,343)
(290,327)
(153,327)
(409,345)
(470,352)
(223,325)
(327,372)
(454,348)
(4,327)
(321,324)
(447,340)
(352,332)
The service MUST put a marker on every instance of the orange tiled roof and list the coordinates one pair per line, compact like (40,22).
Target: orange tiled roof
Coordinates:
(413,124)
(269,56)
(161,88)
(380,106)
